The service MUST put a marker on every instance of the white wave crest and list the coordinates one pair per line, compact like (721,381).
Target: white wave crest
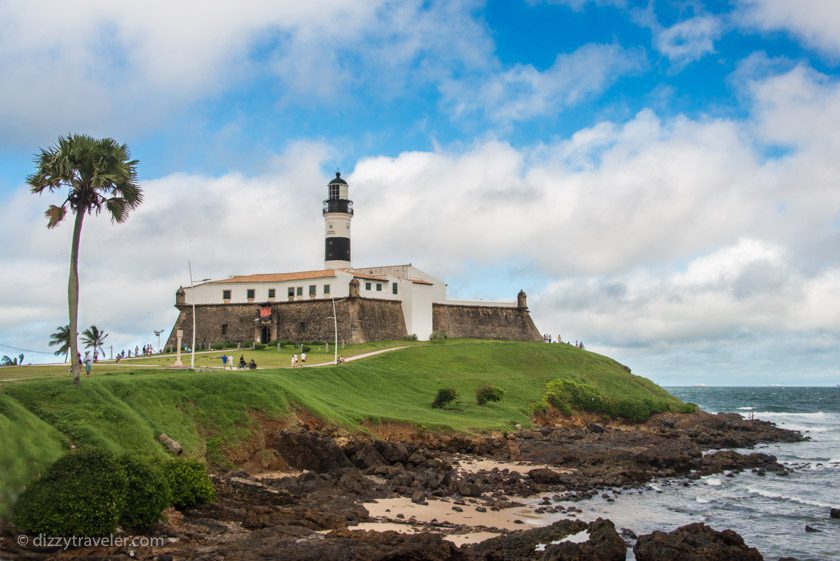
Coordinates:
(800,500)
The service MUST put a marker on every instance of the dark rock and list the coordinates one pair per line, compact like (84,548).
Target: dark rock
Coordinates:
(834,513)
(309,450)
(546,476)
(811,529)
(596,428)
(694,542)
(604,544)
(628,533)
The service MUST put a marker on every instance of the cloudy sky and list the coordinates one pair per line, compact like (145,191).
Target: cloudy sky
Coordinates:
(660,177)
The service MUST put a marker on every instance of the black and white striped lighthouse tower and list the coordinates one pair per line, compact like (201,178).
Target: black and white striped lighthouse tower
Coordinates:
(338,211)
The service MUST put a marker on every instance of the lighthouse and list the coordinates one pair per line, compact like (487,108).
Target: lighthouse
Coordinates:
(338,211)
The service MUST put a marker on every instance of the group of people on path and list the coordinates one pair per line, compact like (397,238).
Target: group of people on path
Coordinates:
(295,360)
(228,362)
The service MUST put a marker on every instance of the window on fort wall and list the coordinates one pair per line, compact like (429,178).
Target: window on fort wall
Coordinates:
(224,329)
(251,293)
(326,289)
(299,291)
(226,295)
(379,287)
(271,293)
(291,291)
(367,286)
(394,288)
(312,290)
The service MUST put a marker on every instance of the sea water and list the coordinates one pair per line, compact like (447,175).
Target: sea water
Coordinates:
(769,512)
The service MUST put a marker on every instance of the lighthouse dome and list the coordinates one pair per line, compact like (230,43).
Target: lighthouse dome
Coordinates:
(337,180)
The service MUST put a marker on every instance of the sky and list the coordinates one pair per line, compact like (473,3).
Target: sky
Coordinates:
(661,178)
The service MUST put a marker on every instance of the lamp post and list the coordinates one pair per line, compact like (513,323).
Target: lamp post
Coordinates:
(158,332)
(192,298)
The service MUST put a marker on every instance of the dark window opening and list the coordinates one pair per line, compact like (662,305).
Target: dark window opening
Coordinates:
(251,293)
(291,291)
(312,290)
(299,291)
(226,295)
(271,293)
(326,289)
(367,286)
(379,287)
(224,329)
(394,288)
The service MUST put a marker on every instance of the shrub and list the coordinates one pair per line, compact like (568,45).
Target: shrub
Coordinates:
(259,346)
(147,495)
(81,494)
(411,337)
(438,336)
(190,484)
(444,397)
(487,393)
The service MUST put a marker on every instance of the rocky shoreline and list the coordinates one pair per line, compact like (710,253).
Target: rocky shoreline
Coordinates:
(467,487)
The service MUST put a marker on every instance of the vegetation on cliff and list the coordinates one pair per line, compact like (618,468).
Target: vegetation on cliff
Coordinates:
(221,416)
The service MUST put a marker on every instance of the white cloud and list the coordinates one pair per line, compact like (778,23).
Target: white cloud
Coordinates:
(92,64)
(688,40)
(814,23)
(523,92)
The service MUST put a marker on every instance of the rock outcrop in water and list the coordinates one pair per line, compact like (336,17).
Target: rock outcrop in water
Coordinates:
(694,542)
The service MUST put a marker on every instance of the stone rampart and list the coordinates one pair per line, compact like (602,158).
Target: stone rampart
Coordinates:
(359,320)
(484,322)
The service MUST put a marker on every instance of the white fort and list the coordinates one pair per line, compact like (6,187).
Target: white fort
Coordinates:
(416,290)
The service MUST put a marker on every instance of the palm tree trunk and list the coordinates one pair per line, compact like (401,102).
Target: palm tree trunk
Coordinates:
(73,298)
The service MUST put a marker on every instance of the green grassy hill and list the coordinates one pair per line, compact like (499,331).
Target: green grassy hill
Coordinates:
(212,413)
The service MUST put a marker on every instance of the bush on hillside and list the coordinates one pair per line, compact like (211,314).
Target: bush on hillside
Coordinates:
(147,495)
(81,494)
(410,337)
(190,484)
(568,396)
(487,393)
(438,336)
(259,346)
(444,397)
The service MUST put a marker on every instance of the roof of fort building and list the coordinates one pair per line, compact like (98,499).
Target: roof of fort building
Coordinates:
(280,277)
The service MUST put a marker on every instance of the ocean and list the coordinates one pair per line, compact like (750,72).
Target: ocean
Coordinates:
(769,512)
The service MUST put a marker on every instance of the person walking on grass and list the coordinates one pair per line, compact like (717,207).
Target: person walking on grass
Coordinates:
(88,364)
(294,360)
(224,362)
(303,359)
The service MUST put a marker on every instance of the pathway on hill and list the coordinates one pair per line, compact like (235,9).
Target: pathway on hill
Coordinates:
(363,355)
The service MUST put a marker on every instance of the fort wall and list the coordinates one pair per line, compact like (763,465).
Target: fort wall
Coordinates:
(484,322)
(359,320)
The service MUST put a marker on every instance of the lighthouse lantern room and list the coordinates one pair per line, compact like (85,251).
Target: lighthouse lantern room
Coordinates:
(338,211)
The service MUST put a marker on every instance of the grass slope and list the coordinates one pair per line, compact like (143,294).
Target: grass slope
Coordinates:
(211,413)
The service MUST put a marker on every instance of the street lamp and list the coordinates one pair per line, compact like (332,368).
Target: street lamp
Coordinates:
(158,332)
(192,298)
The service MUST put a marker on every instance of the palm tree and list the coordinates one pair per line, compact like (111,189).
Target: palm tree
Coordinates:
(61,337)
(96,174)
(92,337)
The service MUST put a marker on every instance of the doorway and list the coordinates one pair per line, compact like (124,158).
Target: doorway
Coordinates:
(265,335)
